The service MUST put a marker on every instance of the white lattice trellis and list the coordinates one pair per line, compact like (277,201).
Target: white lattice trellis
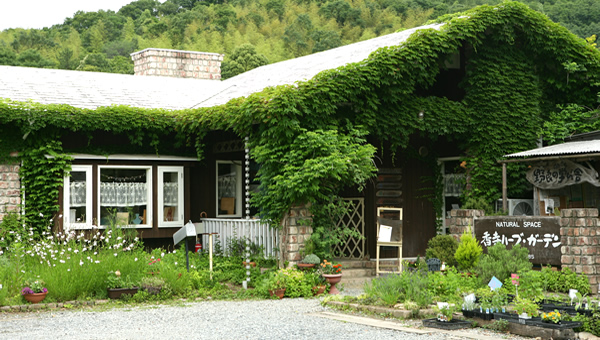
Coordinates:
(354,247)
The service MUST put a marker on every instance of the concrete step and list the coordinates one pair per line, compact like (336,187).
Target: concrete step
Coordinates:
(355,282)
(358,272)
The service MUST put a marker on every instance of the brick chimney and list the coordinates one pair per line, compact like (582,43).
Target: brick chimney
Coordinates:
(179,64)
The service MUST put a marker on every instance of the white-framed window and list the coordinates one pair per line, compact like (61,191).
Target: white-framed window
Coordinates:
(229,189)
(77,198)
(125,196)
(170,196)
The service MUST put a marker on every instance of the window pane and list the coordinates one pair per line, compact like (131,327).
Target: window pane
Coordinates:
(123,196)
(77,197)
(227,188)
(171,196)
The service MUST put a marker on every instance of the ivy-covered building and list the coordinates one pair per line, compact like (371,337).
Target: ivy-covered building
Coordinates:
(395,121)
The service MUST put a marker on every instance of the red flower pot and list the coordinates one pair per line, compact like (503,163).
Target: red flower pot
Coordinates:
(35,297)
(333,279)
(277,292)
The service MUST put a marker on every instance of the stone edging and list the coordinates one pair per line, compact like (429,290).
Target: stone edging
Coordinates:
(397,313)
(51,305)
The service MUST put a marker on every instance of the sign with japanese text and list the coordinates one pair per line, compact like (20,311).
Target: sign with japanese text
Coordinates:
(539,234)
(559,174)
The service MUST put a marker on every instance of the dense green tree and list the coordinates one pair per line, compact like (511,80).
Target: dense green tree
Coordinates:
(33,58)
(7,55)
(243,58)
(66,60)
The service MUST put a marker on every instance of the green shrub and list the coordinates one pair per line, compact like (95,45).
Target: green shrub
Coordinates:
(468,252)
(442,247)
(590,324)
(501,262)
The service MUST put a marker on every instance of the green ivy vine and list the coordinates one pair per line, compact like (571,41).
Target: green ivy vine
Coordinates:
(515,78)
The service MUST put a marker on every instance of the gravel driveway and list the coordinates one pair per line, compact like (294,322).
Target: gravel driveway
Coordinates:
(265,319)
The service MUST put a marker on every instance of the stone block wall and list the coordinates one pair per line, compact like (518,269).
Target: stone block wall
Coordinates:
(461,219)
(295,231)
(10,189)
(580,239)
(175,63)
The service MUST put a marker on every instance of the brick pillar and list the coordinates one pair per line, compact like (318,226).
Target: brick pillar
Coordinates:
(580,238)
(10,189)
(461,219)
(177,63)
(296,229)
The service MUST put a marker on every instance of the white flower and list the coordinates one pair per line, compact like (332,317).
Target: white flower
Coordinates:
(135,259)
(41,215)
(175,263)
(81,262)
(174,251)
(76,251)
(0,286)
(115,254)
(62,261)
(96,261)
(69,269)
(162,254)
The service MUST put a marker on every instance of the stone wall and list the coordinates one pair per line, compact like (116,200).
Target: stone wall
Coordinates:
(293,234)
(461,219)
(580,238)
(10,189)
(175,63)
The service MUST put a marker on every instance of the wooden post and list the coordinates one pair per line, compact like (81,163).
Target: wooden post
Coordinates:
(504,188)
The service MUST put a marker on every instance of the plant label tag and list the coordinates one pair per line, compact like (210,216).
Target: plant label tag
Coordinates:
(572,293)
(515,279)
(495,283)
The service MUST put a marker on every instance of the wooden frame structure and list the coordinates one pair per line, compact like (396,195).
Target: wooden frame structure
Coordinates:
(395,238)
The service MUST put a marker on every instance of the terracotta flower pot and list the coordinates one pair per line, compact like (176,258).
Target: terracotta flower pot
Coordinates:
(333,279)
(35,297)
(277,292)
(318,290)
(304,266)
(251,264)
(116,293)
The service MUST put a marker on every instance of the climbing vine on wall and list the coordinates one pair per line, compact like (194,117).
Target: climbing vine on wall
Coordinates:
(515,77)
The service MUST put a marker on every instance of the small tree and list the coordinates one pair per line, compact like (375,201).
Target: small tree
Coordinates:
(468,252)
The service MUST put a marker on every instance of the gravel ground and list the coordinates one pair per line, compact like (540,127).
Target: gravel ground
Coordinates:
(265,319)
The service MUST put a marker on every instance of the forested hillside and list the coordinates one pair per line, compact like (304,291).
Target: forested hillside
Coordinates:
(270,30)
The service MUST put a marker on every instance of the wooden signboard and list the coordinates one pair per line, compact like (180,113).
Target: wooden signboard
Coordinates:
(540,235)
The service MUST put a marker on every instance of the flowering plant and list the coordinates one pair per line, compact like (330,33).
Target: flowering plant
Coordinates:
(554,317)
(330,268)
(115,280)
(32,287)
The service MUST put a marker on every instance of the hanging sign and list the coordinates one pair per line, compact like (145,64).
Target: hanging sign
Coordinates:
(540,235)
(556,175)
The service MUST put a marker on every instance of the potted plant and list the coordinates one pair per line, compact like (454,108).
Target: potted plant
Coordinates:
(552,317)
(152,284)
(318,283)
(118,285)
(526,308)
(34,291)
(277,282)
(444,312)
(309,261)
(333,274)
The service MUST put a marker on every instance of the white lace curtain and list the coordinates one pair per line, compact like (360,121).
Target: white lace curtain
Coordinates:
(170,193)
(123,194)
(77,194)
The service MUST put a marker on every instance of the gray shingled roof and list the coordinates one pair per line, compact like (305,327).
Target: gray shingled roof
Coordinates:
(570,148)
(94,89)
